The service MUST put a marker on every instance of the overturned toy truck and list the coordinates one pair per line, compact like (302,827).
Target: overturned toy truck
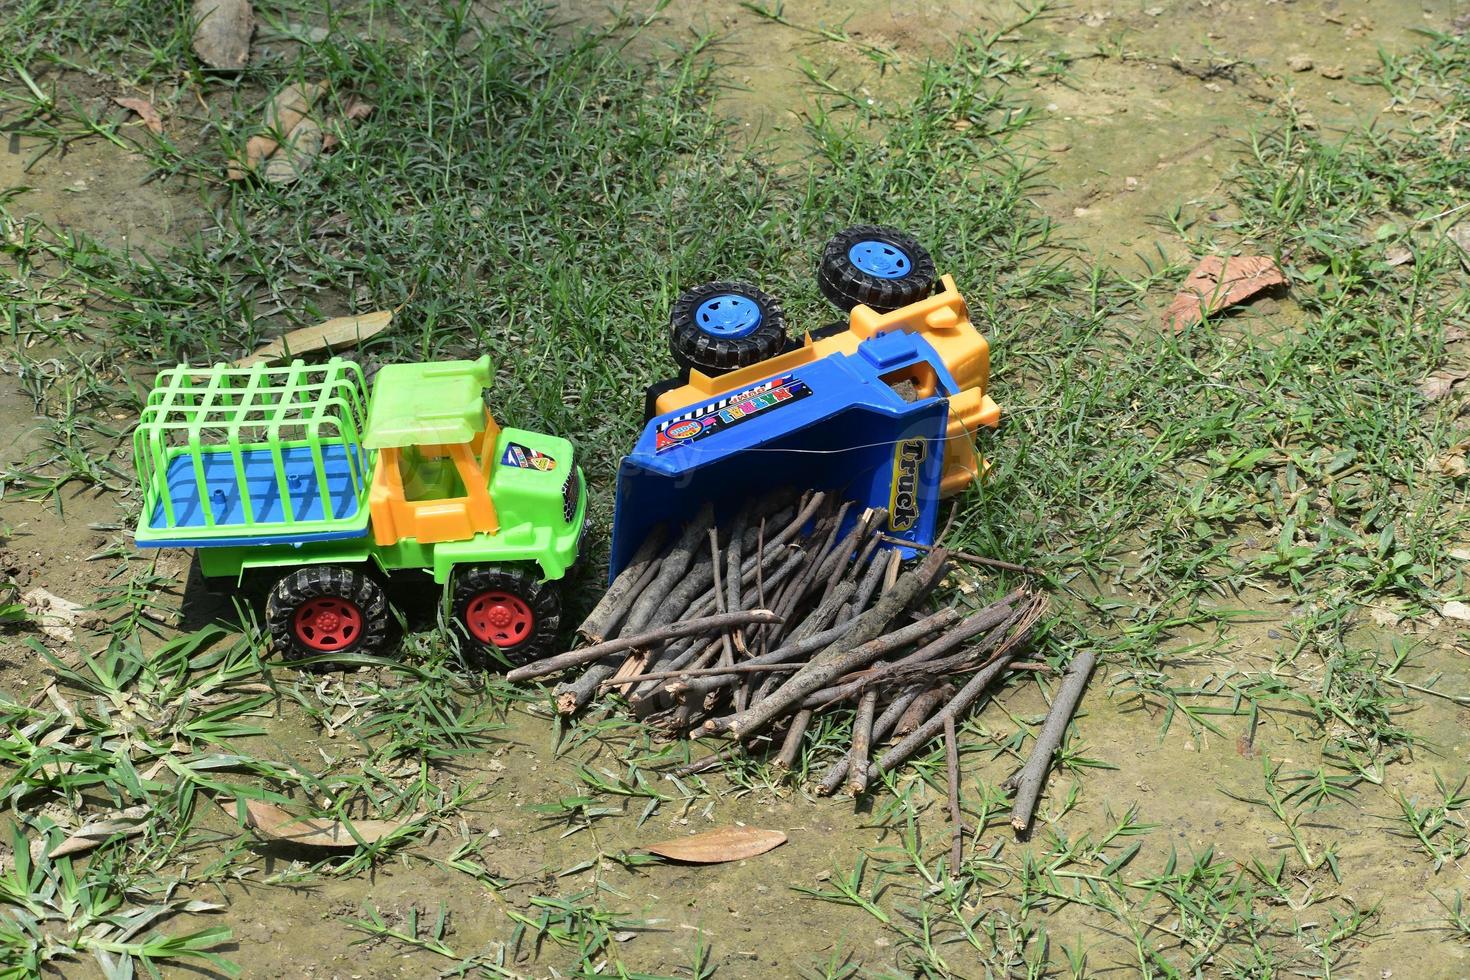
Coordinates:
(882,409)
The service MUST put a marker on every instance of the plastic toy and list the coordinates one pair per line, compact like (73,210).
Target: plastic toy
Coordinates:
(291,470)
(882,408)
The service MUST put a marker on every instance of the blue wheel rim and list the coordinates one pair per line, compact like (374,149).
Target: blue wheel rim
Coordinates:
(881,259)
(728,315)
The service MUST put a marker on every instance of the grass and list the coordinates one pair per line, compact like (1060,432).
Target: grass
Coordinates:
(533,190)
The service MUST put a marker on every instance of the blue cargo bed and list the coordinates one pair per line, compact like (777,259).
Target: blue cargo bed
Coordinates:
(267,507)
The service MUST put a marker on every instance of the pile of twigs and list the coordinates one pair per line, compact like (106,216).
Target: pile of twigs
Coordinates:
(792,609)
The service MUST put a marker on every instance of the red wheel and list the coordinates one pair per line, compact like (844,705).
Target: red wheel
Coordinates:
(499,618)
(327,623)
(508,613)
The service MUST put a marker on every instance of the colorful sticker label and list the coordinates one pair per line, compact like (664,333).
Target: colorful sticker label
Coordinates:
(717,416)
(903,498)
(526,458)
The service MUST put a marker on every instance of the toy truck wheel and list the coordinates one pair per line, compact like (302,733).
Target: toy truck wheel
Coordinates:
(879,267)
(320,610)
(721,326)
(506,609)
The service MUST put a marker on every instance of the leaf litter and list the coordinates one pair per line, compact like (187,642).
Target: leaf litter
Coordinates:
(275,823)
(340,331)
(144,110)
(719,846)
(1217,283)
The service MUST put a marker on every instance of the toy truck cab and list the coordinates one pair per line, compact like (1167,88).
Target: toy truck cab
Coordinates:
(883,409)
(296,470)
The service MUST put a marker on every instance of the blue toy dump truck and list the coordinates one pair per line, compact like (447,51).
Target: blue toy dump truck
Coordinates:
(882,409)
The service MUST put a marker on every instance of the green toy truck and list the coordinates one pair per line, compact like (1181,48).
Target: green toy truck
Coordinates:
(292,470)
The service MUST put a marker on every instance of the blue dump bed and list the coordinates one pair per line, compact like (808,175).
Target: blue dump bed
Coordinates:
(831,424)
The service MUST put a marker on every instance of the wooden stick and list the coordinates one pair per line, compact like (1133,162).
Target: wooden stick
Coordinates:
(881,729)
(791,747)
(672,571)
(573,696)
(573,658)
(862,734)
(967,695)
(615,602)
(747,668)
(997,616)
(716,560)
(869,626)
(922,707)
(790,695)
(969,558)
(956,820)
(1028,782)
(710,761)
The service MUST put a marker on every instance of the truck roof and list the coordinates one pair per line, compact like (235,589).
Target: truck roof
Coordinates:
(437,403)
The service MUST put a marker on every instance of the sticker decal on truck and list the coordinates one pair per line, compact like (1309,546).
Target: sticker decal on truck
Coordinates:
(526,458)
(717,416)
(903,499)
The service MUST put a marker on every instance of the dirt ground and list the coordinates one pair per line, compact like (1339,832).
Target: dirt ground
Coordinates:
(1162,96)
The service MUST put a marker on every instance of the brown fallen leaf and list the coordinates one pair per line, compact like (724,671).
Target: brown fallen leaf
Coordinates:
(286,109)
(222,30)
(355,111)
(271,821)
(1440,384)
(340,331)
(1397,256)
(126,823)
(358,110)
(719,846)
(145,112)
(296,155)
(1217,283)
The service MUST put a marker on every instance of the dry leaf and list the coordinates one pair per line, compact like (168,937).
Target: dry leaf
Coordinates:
(145,112)
(354,112)
(222,32)
(286,109)
(52,613)
(340,331)
(1215,284)
(719,846)
(357,110)
(271,821)
(1455,610)
(1440,383)
(296,155)
(128,823)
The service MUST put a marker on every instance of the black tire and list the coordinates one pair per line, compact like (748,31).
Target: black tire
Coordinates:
(523,595)
(889,270)
(721,326)
(320,610)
